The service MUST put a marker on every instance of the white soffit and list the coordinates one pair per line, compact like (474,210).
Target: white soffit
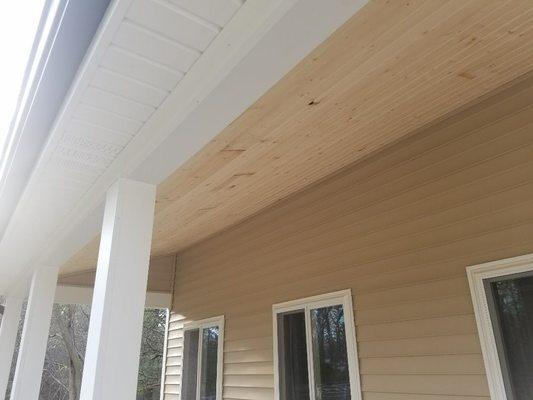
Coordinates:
(155,66)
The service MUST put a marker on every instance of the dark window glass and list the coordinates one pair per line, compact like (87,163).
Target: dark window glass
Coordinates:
(330,360)
(511,304)
(208,376)
(292,355)
(190,364)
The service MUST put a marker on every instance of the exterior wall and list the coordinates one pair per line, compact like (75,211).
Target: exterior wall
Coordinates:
(399,230)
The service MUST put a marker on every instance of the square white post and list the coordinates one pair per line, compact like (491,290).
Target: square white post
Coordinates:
(115,330)
(8,336)
(30,361)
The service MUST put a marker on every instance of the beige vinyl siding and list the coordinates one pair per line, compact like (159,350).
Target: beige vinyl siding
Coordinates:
(398,229)
(172,363)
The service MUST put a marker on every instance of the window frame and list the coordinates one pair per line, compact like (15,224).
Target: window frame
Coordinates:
(200,325)
(165,351)
(477,275)
(344,298)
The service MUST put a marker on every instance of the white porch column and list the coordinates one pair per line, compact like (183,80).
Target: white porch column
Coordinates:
(30,361)
(8,336)
(114,339)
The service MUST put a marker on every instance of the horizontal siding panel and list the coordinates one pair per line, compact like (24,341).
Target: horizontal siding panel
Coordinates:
(174,351)
(497,239)
(395,244)
(173,361)
(454,344)
(251,381)
(175,334)
(249,368)
(432,365)
(243,393)
(444,326)
(257,321)
(172,389)
(172,370)
(458,305)
(453,385)
(251,331)
(259,343)
(410,396)
(175,342)
(423,291)
(248,356)
(173,380)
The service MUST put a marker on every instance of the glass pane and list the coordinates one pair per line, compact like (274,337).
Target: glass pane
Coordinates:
(208,376)
(330,359)
(190,364)
(512,315)
(292,355)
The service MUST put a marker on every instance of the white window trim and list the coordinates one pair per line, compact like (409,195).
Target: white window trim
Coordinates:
(476,275)
(344,298)
(201,324)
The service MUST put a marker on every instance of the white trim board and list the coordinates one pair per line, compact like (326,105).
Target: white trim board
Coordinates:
(477,274)
(344,298)
(66,294)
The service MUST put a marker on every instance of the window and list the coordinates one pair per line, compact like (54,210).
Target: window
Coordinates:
(315,352)
(201,377)
(502,294)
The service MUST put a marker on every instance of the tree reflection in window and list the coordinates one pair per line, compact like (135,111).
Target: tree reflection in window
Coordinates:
(512,315)
(330,361)
(208,376)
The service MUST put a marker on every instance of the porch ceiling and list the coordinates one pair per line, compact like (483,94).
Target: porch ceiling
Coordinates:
(392,69)
(156,71)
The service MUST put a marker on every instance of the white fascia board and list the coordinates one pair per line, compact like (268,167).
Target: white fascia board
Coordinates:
(15,251)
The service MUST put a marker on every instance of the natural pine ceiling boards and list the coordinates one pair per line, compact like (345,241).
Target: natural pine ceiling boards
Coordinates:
(395,67)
